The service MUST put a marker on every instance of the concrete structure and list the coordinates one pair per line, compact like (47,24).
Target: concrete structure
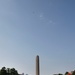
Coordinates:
(37,65)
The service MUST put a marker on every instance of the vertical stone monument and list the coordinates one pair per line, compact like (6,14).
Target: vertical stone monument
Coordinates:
(37,65)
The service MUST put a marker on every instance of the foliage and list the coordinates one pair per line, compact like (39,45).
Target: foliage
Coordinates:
(66,73)
(73,73)
(60,74)
(8,71)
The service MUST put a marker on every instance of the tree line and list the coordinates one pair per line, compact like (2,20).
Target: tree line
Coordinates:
(8,71)
(68,73)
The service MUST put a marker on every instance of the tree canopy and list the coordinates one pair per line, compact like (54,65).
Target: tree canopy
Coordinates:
(8,71)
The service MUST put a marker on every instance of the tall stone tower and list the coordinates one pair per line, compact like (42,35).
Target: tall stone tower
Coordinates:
(37,65)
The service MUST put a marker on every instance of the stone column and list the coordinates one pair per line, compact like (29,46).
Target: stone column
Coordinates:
(37,65)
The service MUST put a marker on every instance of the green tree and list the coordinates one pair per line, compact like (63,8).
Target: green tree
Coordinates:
(3,71)
(73,73)
(66,73)
(14,72)
(8,71)
(60,74)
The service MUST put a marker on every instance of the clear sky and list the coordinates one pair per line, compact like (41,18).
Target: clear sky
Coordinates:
(37,27)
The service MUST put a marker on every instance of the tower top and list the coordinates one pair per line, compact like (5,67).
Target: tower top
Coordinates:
(37,56)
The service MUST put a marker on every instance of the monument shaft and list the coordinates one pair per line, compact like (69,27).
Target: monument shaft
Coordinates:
(37,65)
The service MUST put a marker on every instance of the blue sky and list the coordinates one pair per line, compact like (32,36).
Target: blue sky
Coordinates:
(37,27)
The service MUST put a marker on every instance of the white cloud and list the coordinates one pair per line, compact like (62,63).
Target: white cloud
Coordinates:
(45,19)
(51,22)
(41,16)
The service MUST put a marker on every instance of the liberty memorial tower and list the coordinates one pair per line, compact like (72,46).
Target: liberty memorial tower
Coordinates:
(37,65)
